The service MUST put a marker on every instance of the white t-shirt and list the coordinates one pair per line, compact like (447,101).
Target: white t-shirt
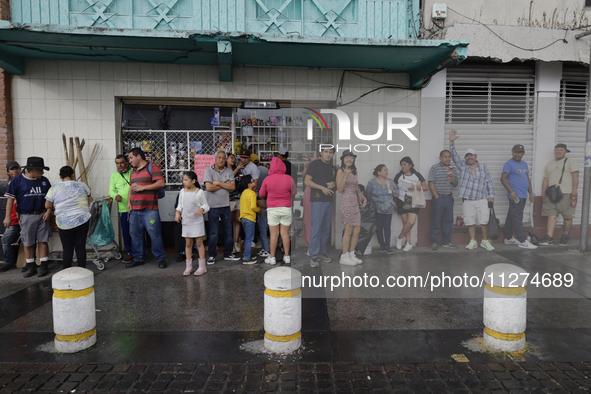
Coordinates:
(404,182)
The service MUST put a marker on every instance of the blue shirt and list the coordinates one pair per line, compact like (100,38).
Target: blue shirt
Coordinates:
(379,193)
(517,179)
(473,186)
(28,193)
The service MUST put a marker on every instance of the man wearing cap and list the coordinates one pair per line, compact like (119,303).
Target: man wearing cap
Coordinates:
(477,191)
(562,172)
(249,167)
(13,230)
(29,190)
(516,180)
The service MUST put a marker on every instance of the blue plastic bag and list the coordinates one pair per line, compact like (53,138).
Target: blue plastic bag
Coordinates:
(103,233)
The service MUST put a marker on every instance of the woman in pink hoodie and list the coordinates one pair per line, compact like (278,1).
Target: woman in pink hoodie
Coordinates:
(278,188)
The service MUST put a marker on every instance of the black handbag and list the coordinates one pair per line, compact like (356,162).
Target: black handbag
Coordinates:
(553,192)
(493,228)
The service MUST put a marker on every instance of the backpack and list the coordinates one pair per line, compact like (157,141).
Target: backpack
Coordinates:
(161,192)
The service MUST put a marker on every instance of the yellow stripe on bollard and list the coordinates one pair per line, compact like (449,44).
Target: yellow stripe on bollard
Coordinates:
(283,293)
(506,290)
(504,337)
(283,338)
(67,294)
(75,337)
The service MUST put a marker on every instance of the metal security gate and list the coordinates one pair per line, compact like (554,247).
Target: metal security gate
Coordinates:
(174,151)
(572,129)
(492,108)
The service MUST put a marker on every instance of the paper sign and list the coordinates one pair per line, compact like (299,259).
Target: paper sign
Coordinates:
(201,163)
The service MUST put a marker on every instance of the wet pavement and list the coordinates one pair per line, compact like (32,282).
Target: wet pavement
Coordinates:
(160,331)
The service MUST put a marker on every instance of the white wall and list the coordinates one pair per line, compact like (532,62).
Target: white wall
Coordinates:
(79,99)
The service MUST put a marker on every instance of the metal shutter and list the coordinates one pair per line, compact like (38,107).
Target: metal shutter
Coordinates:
(572,129)
(492,107)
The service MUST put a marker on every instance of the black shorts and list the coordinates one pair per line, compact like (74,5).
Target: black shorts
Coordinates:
(401,211)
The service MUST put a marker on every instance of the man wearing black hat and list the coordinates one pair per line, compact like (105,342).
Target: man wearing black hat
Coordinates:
(12,226)
(29,191)
(516,180)
(564,173)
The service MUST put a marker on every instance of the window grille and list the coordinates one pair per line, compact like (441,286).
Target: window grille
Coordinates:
(489,102)
(574,94)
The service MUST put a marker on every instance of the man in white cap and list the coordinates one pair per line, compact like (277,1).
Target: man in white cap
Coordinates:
(477,191)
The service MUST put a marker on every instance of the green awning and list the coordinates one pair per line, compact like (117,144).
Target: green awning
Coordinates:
(419,58)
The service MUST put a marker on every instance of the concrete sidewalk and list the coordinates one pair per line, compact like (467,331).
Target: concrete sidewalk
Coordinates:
(150,316)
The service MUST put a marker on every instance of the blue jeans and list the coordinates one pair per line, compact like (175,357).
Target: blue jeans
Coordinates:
(146,220)
(214,216)
(10,236)
(125,232)
(384,229)
(249,227)
(321,221)
(442,216)
(264,228)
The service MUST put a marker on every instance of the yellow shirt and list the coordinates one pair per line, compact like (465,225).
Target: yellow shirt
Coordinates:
(248,205)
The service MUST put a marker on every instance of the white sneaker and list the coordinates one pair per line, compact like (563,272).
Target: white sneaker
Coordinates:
(270,260)
(399,243)
(264,253)
(511,241)
(308,252)
(355,258)
(253,245)
(407,248)
(287,259)
(236,248)
(346,260)
(527,245)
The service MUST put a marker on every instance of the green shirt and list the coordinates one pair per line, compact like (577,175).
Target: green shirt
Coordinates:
(119,185)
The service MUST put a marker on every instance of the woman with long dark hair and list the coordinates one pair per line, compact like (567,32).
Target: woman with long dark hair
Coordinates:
(70,200)
(408,181)
(383,191)
(351,199)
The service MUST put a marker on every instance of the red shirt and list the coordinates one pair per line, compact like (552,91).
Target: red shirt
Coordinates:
(13,216)
(147,199)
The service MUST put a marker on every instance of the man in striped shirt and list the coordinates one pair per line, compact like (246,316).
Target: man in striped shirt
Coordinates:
(142,204)
(442,180)
(477,191)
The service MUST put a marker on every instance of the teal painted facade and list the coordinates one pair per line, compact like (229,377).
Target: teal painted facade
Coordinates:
(390,19)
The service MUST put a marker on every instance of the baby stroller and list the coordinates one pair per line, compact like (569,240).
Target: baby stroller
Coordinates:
(101,224)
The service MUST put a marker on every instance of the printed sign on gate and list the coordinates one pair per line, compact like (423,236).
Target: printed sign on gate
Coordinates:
(201,163)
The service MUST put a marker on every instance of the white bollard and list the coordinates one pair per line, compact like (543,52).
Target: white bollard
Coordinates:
(505,307)
(283,310)
(74,313)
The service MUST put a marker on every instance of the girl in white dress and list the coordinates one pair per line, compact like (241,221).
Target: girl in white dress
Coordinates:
(191,207)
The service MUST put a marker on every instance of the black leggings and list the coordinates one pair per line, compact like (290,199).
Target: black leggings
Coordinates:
(74,238)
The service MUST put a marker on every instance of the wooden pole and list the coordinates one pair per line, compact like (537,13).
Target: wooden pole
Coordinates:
(71,156)
(81,162)
(66,149)
(76,161)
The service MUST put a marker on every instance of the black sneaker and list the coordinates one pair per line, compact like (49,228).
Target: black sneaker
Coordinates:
(162,264)
(6,267)
(232,257)
(134,263)
(24,269)
(252,260)
(547,240)
(43,270)
(31,270)
(563,240)
(211,261)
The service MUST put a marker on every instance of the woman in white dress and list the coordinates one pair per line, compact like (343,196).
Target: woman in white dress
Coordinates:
(190,210)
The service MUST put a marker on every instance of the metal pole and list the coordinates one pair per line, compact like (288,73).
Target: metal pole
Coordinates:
(587,173)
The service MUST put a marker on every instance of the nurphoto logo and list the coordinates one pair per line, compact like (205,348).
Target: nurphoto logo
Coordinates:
(344,133)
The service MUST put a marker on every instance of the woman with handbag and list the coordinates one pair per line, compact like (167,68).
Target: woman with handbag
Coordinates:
(409,182)
(351,199)
(383,191)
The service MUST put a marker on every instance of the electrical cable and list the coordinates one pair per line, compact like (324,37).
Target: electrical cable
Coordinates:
(510,43)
